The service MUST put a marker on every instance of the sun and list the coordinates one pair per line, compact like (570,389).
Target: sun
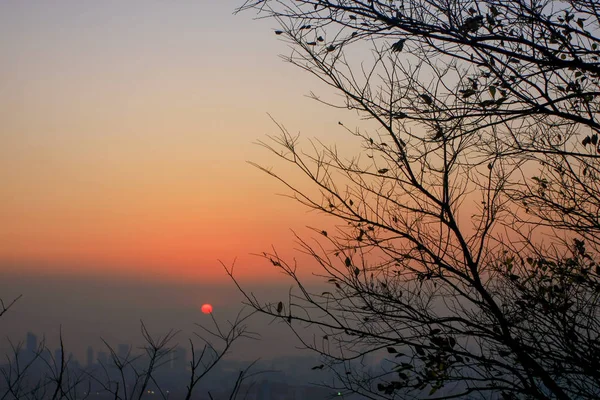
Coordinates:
(207,308)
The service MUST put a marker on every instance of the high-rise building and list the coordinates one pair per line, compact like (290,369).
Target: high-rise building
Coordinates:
(31,343)
(102,358)
(58,356)
(264,391)
(123,351)
(90,357)
(180,359)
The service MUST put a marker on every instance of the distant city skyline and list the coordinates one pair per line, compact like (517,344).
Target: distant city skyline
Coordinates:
(283,377)
(123,351)
(87,310)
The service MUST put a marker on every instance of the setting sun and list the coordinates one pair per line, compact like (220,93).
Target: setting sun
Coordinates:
(207,308)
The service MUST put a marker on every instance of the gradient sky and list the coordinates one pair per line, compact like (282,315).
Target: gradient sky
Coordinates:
(125,131)
(125,128)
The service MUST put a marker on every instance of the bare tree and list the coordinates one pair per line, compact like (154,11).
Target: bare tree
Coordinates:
(5,307)
(37,374)
(468,254)
(207,358)
(41,375)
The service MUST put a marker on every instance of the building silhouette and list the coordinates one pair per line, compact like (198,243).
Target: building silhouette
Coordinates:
(102,358)
(90,357)
(180,359)
(31,343)
(123,351)
(58,355)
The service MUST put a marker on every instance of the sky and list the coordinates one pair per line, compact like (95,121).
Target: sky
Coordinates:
(125,134)
(125,131)
(126,128)
(87,311)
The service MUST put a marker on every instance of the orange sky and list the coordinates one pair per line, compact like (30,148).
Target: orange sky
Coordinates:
(125,131)
(124,134)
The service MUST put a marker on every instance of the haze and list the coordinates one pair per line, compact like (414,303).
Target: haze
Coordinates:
(125,128)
